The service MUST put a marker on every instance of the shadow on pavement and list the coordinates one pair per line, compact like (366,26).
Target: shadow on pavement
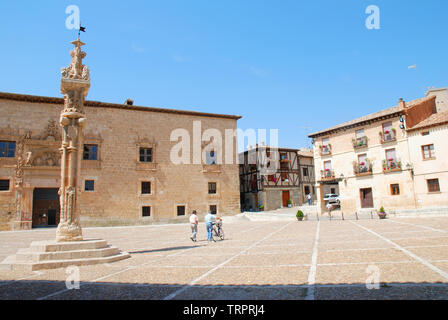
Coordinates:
(30,290)
(166,249)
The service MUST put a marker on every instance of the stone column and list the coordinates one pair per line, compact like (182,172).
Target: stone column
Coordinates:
(75,85)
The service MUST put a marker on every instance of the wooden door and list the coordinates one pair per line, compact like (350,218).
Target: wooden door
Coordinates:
(285,197)
(366,198)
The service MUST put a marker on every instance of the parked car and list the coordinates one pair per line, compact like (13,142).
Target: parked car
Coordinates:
(332,198)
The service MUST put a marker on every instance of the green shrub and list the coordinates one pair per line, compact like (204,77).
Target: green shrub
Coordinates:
(382,210)
(300,214)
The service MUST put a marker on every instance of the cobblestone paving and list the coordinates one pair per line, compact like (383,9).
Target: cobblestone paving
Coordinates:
(258,260)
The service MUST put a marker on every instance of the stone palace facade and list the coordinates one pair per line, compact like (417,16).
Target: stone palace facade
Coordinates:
(127,176)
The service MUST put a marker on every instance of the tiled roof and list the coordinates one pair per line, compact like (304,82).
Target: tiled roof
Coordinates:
(359,121)
(53,100)
(434,120)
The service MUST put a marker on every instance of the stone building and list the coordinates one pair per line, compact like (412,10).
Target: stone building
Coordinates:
(375,161)
(275,179)
(127,173)
(428,142)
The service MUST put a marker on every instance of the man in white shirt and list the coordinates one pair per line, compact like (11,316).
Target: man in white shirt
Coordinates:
(310,199)
(194,221)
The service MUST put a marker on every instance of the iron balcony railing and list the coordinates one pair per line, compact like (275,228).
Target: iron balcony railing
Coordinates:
(363,168)
(360,142)
(388,135)
(391,165)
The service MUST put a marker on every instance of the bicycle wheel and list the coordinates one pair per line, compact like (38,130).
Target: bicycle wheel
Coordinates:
(221,234)
(215,235)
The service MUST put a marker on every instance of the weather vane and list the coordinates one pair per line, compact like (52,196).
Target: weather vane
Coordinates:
(81,29)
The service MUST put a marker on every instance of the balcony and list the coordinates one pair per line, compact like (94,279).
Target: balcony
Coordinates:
(391,165)
(360,143)
(325,150)
(363,168)
(327,175)
(388,136)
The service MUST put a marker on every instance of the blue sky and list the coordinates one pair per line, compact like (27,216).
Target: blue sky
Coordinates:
(285,64)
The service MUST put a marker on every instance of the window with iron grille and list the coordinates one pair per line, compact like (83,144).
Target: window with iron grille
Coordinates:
(213,209)
(4,185)
(89,185)
(180,211)
(395,189)
(90,152)
(433,185)
(212,188)
(146,211)
(7,149)
(146,187)
(145,154)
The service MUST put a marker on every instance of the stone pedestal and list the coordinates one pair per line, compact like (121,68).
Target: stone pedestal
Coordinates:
(52,255)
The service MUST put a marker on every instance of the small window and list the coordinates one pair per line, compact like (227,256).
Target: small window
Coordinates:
(305,172)
(146,211)
(433,185)
(89,185)
(333,191)
(395,189)
(428,152)
(4,185)
(213,209)
(7,149)
(146,187)
(212,188)
(145,154)
(90,152)
(180,211)
(425,133)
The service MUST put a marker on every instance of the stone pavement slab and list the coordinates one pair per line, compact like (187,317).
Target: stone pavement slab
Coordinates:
(258,260)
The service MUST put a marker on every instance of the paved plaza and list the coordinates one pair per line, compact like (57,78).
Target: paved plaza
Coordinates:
(283,259)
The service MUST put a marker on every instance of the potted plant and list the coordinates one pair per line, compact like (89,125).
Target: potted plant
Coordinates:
(261,207)
(300,215)
(289,203)
(382,214)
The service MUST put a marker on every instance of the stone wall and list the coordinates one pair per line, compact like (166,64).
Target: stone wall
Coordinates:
(117,173)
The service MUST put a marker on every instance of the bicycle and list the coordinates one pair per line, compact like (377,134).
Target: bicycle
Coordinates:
(217,231)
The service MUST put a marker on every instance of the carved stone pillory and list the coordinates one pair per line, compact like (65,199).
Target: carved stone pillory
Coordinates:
(69,249)
(75,85)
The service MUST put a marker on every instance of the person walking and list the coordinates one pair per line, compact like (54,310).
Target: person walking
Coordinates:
(329,208)
(194,221)
(209,218)
(310,199)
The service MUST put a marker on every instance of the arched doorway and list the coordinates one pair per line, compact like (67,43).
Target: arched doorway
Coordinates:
(46,208)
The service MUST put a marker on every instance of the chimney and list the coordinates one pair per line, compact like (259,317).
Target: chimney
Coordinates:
(402,104)
(129,102)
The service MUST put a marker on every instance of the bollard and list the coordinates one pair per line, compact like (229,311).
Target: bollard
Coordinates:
(317,215)
(371,215)
(356,214)
(342,215)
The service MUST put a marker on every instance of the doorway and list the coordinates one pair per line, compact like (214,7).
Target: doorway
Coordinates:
(46,208)
(285,198)
(366,198)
